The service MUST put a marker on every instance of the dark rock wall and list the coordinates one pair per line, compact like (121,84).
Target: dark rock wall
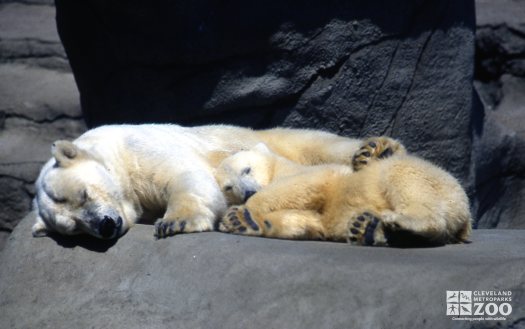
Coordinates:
(38,102)
(357,68)
(499,160)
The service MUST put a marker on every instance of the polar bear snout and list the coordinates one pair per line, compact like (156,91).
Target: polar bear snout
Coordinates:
(109,227)
(248,194)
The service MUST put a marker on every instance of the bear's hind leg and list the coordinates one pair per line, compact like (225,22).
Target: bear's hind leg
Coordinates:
(414,228)
(376,148)
(365,229)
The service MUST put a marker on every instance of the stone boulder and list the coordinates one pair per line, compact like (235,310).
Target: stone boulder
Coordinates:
(215,280)
(39,103)
(499,156)
(402,68)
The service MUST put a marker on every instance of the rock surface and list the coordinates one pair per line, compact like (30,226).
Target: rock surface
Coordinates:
(211,280)
(499,159)
(401,68)
(39,103)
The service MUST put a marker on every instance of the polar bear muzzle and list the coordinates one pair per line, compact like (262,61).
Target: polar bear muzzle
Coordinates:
(109,228)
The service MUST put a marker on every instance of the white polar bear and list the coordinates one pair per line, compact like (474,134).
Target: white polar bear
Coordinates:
(112,176)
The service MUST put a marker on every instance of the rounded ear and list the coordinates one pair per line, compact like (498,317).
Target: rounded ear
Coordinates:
(64,152)
(39,228)
(261,147)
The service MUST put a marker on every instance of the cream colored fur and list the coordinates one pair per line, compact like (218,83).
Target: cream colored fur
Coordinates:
(406,197)
(112,176)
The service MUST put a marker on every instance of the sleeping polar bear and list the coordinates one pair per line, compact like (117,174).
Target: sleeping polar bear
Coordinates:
(389,198)
(112,176)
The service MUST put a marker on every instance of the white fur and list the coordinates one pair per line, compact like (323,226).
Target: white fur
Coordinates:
(133,172)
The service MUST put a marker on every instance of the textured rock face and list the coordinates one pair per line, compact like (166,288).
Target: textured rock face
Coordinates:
(38,103)
(499,161)
(212,280)
(402,68)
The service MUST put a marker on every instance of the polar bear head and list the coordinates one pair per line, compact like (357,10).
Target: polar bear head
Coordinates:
(76,193)
(244,173)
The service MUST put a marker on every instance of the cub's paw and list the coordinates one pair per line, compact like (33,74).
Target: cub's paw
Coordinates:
(365,230)
(376,148)
(165,228)
(239,220)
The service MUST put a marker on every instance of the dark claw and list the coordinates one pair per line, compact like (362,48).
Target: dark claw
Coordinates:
(386,153)
(354,231)
(366,154)
(182,225)
(242,229)
(236,222)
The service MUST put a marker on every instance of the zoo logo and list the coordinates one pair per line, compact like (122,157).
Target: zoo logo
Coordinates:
(468,303)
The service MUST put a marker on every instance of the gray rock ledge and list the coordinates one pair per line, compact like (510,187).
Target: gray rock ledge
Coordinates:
(214,280)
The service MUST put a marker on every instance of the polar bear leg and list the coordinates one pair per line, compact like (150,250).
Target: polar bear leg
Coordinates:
(410,228)
(365,229)
(284,224)
(414,225)
(287,208)
(376,148)
(186,213)
(194,203)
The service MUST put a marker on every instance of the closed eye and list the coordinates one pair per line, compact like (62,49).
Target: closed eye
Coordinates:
(83,197)
(53,196)
(246,171)
(227,188)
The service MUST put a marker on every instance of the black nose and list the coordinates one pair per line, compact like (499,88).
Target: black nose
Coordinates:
(106,227)
(248,194)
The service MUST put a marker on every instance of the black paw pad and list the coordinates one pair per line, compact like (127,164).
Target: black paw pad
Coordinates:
(249,220)
(369,232)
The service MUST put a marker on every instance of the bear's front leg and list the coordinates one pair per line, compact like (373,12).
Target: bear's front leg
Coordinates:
(239,220)
(376,148)
(281,224)
(185,213)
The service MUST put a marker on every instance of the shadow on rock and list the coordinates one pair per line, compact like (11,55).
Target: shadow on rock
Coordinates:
(85,241)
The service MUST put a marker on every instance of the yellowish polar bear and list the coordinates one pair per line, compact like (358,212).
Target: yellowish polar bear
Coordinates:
(389,198)
(112,176)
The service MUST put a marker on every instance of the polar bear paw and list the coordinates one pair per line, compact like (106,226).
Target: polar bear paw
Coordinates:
(239,220)
(165,228)
(364,230)
(376,148)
